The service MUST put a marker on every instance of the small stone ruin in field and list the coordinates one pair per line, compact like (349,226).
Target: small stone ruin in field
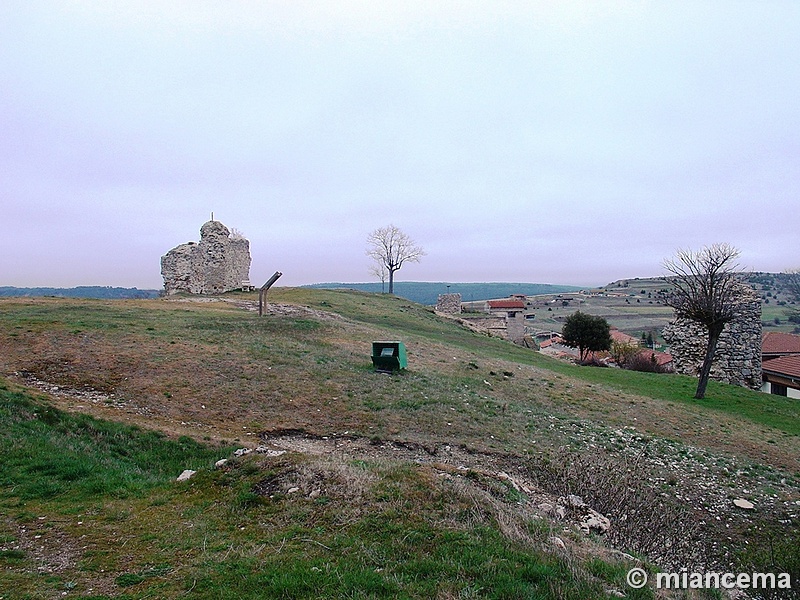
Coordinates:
(449,304)
(219,263)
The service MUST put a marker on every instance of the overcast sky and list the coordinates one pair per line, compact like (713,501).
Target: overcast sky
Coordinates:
(548,142)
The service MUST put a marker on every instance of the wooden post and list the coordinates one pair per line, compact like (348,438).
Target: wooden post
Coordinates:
(262,293)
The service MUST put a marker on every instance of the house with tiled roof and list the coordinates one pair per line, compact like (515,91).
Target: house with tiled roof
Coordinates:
(506,305)
(622,338)
(780,355)
(782,375)
(776,343)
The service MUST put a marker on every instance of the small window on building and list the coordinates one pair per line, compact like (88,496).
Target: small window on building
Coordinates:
(778,389)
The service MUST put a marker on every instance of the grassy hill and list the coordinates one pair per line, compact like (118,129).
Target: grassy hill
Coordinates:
(440,482)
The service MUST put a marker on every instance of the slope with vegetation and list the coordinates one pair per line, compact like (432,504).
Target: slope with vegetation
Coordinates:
(437,482)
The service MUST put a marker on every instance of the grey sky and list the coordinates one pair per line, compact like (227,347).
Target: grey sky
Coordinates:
(553,142)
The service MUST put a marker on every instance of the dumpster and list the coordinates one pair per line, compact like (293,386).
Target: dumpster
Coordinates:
(389,356)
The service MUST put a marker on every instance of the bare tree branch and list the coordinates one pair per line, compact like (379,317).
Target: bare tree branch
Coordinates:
(378,270)
(706,285)
(391,248)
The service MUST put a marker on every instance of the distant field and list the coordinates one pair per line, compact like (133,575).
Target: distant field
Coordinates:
(424,292)
(633,306)
(633,318)
(86,291)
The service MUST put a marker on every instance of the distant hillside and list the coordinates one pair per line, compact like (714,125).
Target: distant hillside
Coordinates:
(84,291)
(425,292)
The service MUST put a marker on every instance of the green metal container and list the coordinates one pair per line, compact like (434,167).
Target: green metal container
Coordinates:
(389,356)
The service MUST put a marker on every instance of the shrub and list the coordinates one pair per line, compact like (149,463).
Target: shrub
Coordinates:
(622,352)
(645,362)
(643,519)
(592,361)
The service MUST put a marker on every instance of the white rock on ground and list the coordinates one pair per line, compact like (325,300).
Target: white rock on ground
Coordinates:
(186,475)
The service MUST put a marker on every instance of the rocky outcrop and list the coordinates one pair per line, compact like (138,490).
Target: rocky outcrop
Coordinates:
(738,356)
(219,263)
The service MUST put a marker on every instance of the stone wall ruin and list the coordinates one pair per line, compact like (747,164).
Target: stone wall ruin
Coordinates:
(738,356)
(449,304)
(219,263)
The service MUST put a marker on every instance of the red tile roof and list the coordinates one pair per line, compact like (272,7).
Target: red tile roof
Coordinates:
(784,365)
(624,338)
(662,358)
(505,304)
(775,342)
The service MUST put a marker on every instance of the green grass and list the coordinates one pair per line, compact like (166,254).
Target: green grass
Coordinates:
(52,454)
(777,412)
(780,413)
(108,491)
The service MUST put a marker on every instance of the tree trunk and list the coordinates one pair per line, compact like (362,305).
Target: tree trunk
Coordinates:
(705,371)
(391,281)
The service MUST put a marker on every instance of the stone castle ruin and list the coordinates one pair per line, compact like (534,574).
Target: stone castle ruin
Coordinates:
(738,356)
(219,263)
(449,304)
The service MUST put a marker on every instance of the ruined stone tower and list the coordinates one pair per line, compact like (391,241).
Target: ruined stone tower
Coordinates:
(218,263)
(738,357)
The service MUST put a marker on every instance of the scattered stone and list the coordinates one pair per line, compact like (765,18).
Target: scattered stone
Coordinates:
(293,490)
(242,451)
(558,542)
(594,522)
(616,594)
(186,475)
(220,463)
(575,501)
(269,451)
(315,494)
(546,507)
(744,504)
(624,555)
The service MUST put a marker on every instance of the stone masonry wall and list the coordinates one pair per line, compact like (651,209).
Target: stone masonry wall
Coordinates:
(738,356)
(217,264)
(449,304)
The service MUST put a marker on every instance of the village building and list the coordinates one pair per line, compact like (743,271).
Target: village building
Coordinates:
(781,364)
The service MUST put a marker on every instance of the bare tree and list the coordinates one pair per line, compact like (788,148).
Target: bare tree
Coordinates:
(378,270)
(705,288)
(391,248)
